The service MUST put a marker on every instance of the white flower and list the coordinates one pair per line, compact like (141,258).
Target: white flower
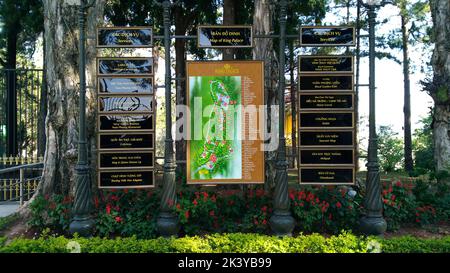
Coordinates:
(373,247)
(73,247)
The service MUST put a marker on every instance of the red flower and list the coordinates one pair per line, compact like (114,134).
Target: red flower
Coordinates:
(291,196)
(186,214)
(398,184)
(256,222)
(108,209)
(264,208)
(264,222)
(338,205)
(114,198)
(393,197)
(96,202)
(330,216)
(302,195)
(302,204)
(118,219)
(309,197)
(195,202)
(178,207)
(213,198)
(211,213)
(205,195)
(213,158)
(259,192)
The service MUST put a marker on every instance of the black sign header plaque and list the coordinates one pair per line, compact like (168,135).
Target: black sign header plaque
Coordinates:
(326,64)
(224,36)
(126,179)
(131,66)
(124,37)
(327,36)
(327,176)
(326,82)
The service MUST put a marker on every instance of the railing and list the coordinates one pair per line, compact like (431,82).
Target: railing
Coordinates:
(23,188)
(22,112)
(15,184)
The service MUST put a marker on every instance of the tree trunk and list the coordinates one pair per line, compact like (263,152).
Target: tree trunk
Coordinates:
(62,79)
(439,88)
(229,14)
(263,50)
(11,62)
(407,100)
(180,72)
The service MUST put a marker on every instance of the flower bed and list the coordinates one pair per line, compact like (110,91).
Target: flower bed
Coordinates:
(315,209)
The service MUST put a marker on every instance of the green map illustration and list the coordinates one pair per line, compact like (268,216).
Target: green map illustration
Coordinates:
(218,155)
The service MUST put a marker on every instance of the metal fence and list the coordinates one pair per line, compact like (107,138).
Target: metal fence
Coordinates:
(19,177)
(22,112)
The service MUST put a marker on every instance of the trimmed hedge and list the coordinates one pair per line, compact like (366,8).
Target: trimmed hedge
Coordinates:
(232,243)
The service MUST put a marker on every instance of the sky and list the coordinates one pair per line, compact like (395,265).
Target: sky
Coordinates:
(389,81)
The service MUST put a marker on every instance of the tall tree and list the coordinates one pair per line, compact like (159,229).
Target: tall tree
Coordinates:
(229,15)
(61,36)
(264,50)
(407,89)
(439,86)
(412,30)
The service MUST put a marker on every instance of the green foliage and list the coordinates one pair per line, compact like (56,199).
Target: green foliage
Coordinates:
(50,211)
(398,204)
(232,243)
(423,147)
(409,244)
(6,221)
(226,211)
(316,209)
(24,18)
(390,149)
(324,210)
(127,213)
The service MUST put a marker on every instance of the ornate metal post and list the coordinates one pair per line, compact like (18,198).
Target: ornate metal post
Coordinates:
(281,222)
(82,222)
(167,222)
(373,222)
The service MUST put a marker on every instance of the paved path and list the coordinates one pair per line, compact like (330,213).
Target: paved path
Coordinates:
(8,208)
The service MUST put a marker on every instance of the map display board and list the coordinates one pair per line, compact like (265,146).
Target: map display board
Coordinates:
(220,148)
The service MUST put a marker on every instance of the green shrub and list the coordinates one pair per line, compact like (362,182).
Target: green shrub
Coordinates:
(51,211)
(7,220)
(409,244)
(231,243)
(320,209)
(316,209)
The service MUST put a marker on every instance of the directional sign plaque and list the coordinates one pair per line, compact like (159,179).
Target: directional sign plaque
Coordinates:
(125,37)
